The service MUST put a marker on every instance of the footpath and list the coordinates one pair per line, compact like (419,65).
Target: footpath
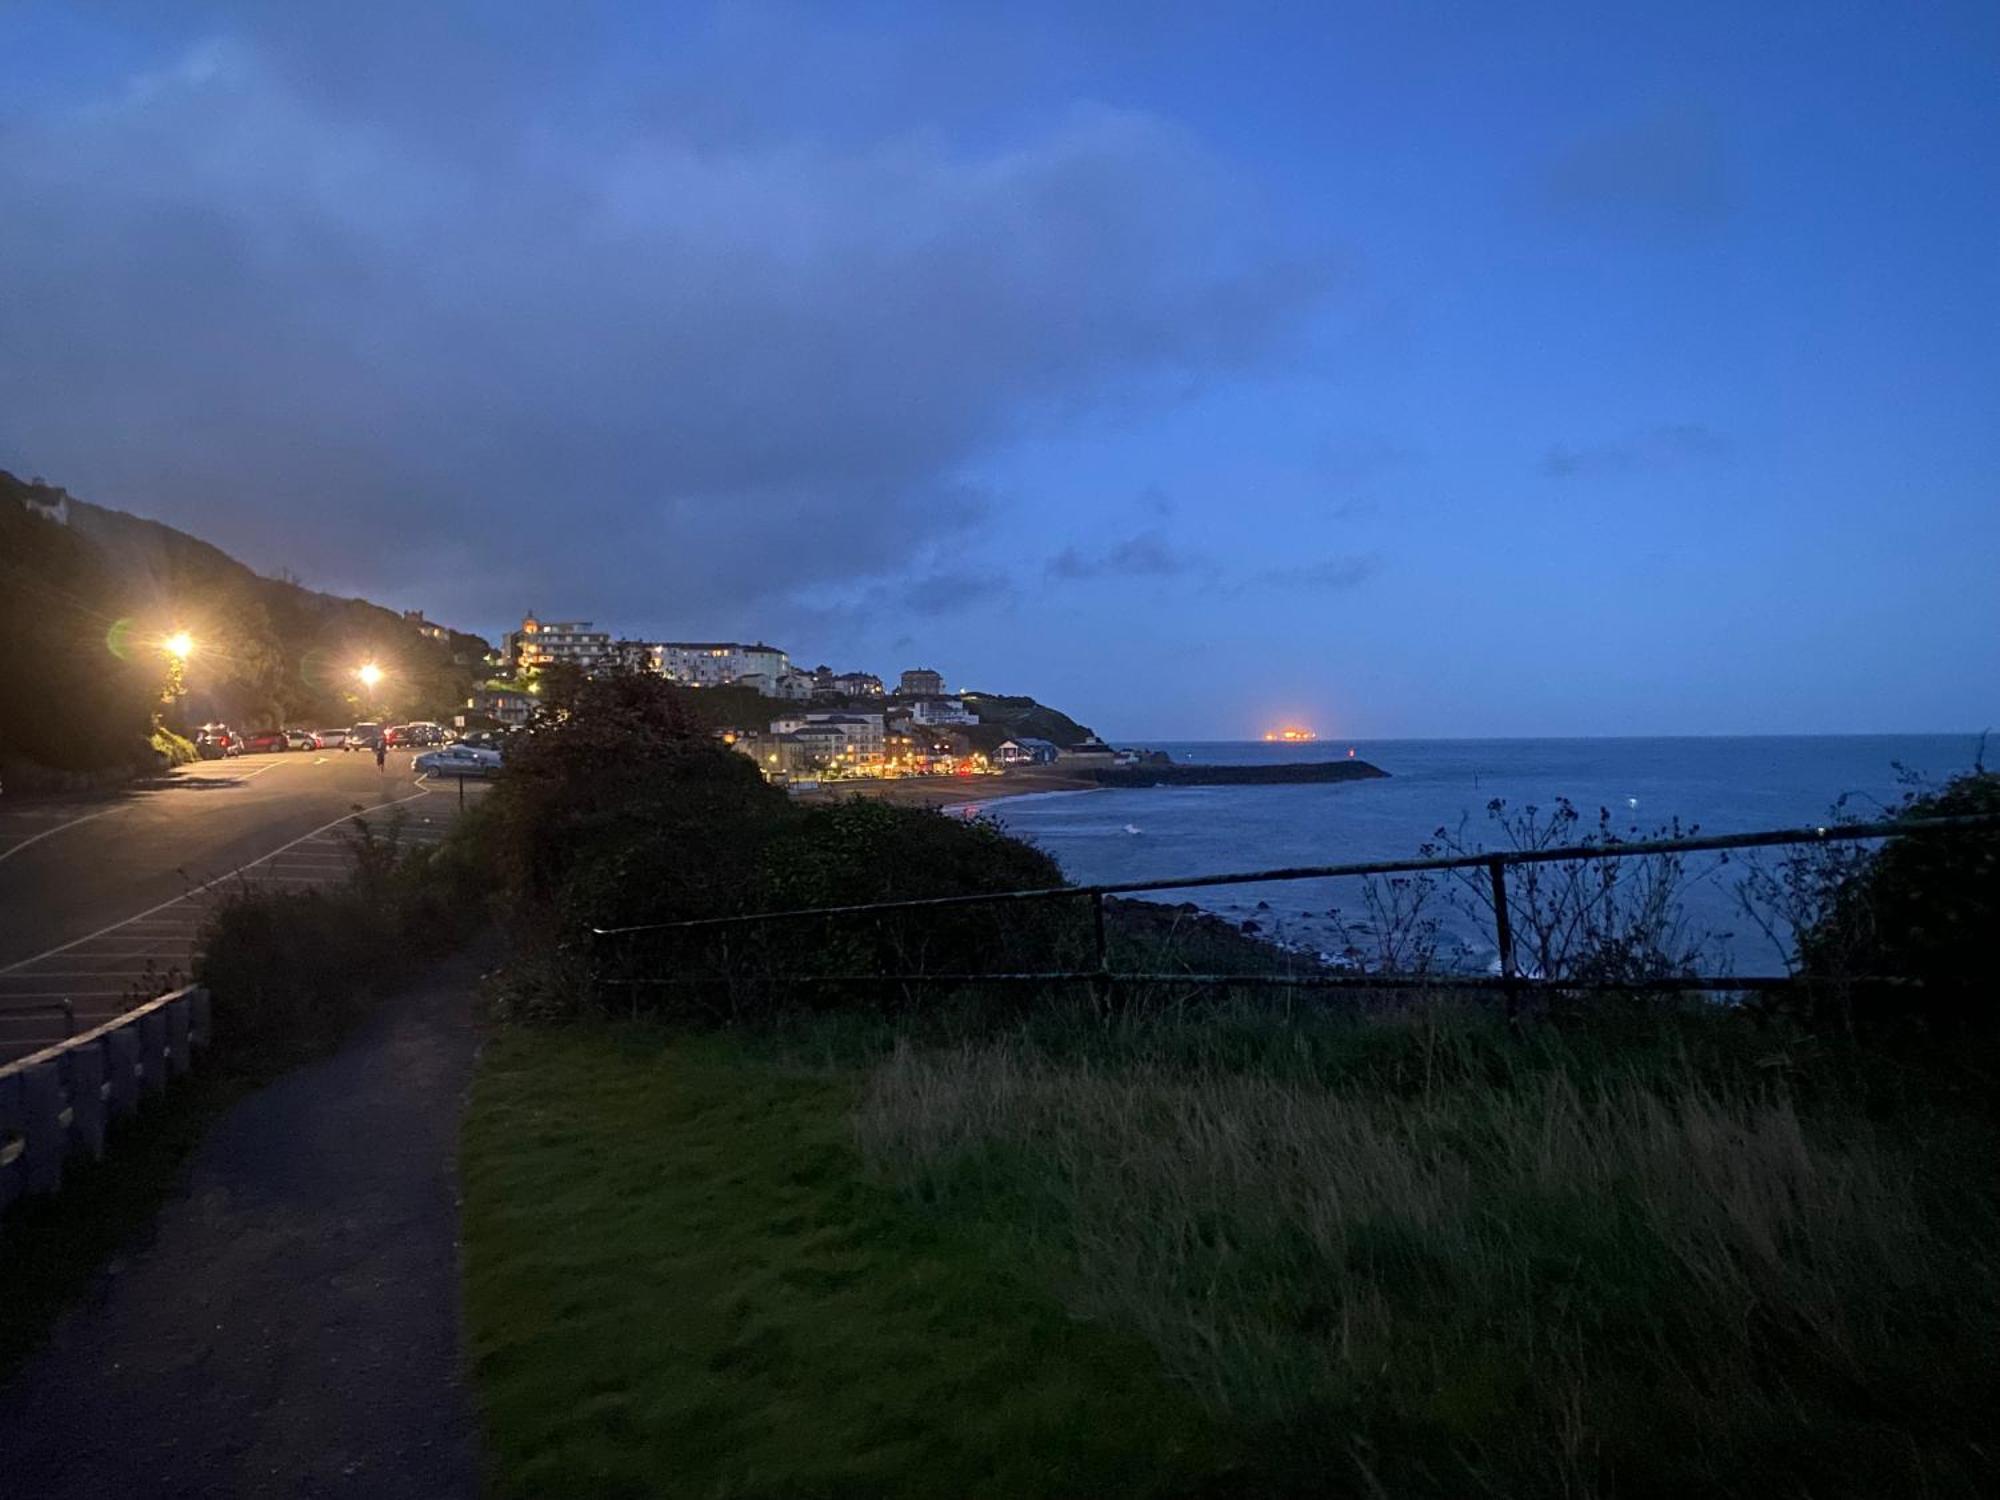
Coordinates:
(291,1325)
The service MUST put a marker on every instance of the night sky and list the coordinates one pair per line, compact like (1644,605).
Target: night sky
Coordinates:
(1401,368)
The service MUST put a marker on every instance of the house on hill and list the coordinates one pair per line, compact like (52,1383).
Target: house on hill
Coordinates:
(1025,751)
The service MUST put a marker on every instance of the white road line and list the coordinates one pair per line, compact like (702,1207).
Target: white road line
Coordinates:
(421,791)
(51,832)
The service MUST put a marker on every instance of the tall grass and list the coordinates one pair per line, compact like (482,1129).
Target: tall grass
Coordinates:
(1419,1252)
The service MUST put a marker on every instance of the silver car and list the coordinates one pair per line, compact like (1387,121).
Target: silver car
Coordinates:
(458,760)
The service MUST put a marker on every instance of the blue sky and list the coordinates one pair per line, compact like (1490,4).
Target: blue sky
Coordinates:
(1413,369)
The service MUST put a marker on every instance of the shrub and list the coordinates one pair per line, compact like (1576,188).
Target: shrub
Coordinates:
(1922,908)
(291,971)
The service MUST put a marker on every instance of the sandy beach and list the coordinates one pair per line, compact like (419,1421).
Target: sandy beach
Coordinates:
(951,791)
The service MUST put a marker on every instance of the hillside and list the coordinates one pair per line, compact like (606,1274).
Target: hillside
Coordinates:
(88,593)
(1017,717)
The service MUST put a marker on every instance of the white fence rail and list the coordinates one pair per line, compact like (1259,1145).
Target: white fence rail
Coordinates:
(60,1102)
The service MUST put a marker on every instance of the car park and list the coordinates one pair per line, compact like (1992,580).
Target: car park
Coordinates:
(458,760)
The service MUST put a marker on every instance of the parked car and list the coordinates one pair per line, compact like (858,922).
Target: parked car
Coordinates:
(362,736)
(331,739)
(216,742)
(258,741)
(302,739)
(424,732)
(458,760)
(396,735)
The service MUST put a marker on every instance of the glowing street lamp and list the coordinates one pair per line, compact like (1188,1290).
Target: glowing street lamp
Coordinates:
(177,648)
(370,674)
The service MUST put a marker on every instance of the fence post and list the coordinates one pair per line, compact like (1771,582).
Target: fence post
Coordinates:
(1100,979)
(1503,931)
(46,1132)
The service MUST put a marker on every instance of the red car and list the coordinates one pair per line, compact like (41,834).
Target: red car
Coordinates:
(257,741)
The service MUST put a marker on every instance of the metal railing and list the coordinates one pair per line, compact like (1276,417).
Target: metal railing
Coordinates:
(1494,864)
(61,1101)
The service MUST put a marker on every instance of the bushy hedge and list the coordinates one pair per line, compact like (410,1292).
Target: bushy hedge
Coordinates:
(1925,909)
(623,810)
(291,971)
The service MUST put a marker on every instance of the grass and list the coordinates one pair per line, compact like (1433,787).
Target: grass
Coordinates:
(1227,1252)
(1420,1253)
(681,1280)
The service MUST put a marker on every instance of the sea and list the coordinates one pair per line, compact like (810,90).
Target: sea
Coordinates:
(1646,786)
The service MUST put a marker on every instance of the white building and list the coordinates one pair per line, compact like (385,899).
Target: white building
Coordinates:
(718,663)
(863,737)
(934,711)
(571,642)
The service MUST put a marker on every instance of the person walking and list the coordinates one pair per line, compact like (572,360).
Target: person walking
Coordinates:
(381,754)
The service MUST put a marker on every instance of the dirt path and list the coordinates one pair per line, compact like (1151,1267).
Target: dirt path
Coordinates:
(291,1328)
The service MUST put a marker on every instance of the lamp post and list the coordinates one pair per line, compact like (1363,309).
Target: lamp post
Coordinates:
(177,648)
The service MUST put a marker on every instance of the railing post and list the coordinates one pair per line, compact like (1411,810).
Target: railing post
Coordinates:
(1503,931)
(1100,979)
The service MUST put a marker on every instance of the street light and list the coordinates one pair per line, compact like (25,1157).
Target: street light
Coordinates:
(177,648)
(370,674)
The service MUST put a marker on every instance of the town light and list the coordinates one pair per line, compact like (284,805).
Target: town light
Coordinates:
(369,673)
(179,645)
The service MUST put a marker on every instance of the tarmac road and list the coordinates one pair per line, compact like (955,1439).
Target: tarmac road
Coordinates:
(102,897)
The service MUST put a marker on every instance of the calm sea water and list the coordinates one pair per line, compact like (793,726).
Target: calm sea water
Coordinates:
(1716,785)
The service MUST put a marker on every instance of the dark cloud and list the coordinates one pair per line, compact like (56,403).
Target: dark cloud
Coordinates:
(1663,447)
(401,309)
(1328,575)
(1147,554)
(1665,173)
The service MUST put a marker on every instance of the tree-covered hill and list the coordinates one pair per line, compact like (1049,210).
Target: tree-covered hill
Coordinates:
(88,595)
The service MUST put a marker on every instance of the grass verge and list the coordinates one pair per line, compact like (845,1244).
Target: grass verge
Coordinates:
(1232,1251)
(681,1280)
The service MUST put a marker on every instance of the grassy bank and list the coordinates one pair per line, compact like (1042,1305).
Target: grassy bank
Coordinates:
(1226,1253)
(682,1279)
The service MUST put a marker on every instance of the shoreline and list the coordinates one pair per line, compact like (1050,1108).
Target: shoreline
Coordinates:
(949,791)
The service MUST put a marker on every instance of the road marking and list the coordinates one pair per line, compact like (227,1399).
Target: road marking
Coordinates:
(421,791)
(51,832)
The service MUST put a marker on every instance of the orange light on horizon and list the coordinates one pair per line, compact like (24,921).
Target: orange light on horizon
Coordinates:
(1291,734)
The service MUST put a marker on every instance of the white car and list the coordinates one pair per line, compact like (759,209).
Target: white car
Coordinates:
(458,760)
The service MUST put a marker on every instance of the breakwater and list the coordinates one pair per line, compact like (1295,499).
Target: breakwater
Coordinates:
(1181,774)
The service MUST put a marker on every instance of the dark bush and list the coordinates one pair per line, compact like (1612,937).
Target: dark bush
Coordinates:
(621,809)
(1924,908)
(291,971)
(859,852)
